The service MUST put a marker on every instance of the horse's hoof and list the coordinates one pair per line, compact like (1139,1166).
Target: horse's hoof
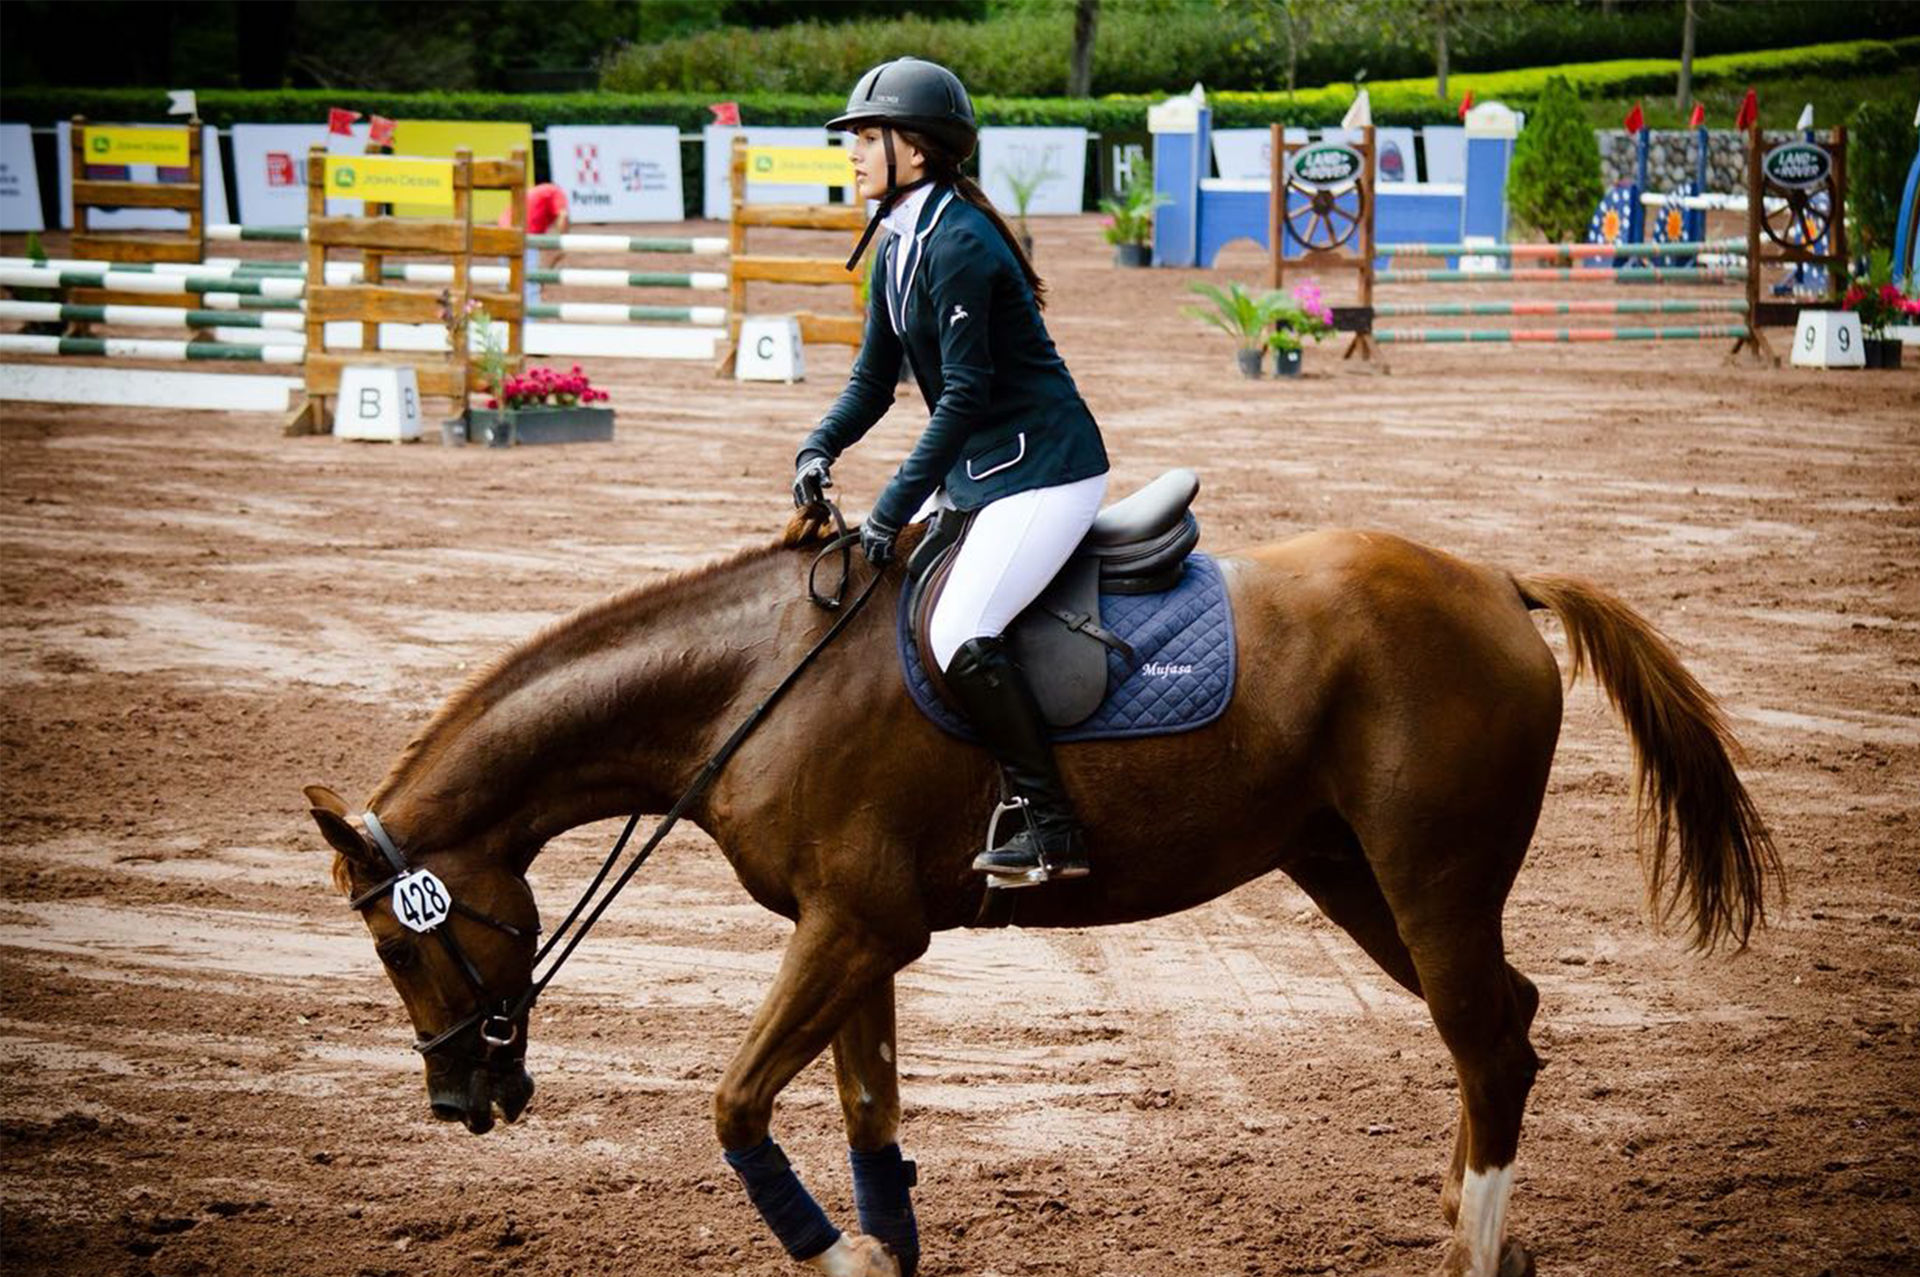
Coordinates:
(1516,1261)
(855,1255)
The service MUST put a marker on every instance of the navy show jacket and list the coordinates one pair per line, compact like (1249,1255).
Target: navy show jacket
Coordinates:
(1005,414)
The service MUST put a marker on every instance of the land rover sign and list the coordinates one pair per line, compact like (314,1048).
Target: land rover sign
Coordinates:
(1324,166)
(1797,166)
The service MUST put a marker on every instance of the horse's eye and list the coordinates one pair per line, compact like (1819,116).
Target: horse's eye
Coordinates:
(397,954)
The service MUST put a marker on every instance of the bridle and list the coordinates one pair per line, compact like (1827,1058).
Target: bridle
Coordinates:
(498,1017)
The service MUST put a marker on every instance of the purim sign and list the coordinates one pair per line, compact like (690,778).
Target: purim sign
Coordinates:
(629,173)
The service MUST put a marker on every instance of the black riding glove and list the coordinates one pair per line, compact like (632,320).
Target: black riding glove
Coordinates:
(876,541)
(811,481)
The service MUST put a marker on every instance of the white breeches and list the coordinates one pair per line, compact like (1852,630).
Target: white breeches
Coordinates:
(1012,551)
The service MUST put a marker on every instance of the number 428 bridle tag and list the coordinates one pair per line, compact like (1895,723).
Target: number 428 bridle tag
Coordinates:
(420,900)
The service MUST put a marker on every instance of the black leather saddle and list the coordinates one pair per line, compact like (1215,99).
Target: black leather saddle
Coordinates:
(1138,545)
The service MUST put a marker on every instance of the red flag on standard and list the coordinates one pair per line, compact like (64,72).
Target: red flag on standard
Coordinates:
(1749,111)
(726,113)
(379,130)
(1466,104)
(1698,117)
(1636,119)
(339,121)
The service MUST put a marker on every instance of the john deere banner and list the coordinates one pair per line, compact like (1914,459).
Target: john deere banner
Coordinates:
(19,181)
(107,144)
(213,182)
(392,179)
(799,164)
(626,173)
(487,141)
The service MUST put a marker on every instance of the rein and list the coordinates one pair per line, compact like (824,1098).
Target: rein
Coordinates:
(498,1017)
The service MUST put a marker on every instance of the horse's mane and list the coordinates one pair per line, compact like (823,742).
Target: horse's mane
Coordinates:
(804,530)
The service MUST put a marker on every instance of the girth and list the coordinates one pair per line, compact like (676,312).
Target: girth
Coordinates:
(1138,545)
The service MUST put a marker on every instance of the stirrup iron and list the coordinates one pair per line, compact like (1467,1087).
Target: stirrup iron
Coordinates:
(996,880)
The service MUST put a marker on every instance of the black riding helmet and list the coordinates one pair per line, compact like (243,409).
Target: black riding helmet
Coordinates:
(907,93)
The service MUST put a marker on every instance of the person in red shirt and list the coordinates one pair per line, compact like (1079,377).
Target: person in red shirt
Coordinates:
(546,214)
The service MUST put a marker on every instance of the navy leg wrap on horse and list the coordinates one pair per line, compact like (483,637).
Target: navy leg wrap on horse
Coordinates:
(880,1184)
(782,1200)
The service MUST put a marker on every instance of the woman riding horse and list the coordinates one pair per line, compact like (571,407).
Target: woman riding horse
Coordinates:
(1010,438)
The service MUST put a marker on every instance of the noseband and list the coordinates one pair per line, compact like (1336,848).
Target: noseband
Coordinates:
(426,898)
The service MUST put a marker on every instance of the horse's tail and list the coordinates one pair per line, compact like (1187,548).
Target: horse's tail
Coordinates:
(1683,757)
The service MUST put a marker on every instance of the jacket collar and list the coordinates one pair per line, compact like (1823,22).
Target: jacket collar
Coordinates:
(938,198)
(904,218)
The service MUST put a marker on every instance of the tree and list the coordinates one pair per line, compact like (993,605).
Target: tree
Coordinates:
(1086,16)
(1440,60)
(1684,92)
(1880,140)
(1555,180)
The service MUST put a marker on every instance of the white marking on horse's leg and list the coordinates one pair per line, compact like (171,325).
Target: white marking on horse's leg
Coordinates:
(886,1052)
(1483,1217)
(855,1256)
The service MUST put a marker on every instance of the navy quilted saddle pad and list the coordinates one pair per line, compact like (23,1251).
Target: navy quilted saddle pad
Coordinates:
(1183,671)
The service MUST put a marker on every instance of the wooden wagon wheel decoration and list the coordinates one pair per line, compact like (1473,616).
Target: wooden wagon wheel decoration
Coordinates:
(1324,223)
(1796,208)
(1796,218)
(1332,204)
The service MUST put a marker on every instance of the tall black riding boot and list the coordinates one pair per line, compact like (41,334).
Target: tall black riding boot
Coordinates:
(1000,705)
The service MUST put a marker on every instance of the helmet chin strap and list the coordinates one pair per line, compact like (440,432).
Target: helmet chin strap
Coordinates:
(888,199)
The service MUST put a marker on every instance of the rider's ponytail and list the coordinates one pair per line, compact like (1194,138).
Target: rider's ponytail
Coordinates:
(944,167)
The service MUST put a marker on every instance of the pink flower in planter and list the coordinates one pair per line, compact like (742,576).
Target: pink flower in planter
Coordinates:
(547,387)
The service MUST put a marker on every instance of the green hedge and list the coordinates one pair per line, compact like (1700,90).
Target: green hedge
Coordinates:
(1402,102)
(1153,47)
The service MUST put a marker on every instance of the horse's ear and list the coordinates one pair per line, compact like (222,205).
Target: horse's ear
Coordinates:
(325,799)
(344,838)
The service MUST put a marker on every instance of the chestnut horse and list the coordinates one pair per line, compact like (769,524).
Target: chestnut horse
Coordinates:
(1387,747)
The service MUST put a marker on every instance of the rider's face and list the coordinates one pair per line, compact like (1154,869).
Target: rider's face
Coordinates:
(869,155)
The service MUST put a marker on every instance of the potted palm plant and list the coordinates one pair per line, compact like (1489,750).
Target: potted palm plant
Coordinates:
(1130,220)
(1024,183)
(1239,314)
(1305,314)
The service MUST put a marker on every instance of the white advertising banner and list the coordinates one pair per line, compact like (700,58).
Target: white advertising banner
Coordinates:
(629,173)
(717,156)
(1246,155)
(1393,155)
(1446,159)
(1051,162)
(270,170)
(213,189)
(19,181)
